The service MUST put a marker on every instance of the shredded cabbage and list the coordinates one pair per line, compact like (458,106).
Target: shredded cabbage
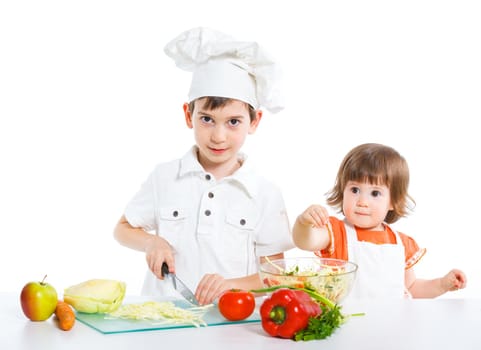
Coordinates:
(164,312)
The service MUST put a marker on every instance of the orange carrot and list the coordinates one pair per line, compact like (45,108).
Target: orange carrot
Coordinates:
(65,315)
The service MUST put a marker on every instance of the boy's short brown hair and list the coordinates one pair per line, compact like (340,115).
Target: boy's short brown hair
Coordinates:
(214,102)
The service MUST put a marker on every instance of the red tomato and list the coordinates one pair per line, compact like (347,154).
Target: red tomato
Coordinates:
(236,304)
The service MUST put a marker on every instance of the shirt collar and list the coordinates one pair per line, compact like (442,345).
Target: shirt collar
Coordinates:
(190,164)
(244,176)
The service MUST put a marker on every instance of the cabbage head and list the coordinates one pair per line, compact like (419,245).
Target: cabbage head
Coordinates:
(95,295)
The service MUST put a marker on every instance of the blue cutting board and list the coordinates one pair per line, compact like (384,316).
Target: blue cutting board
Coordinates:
(105,325)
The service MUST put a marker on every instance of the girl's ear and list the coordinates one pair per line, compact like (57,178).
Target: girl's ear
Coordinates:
(255,122)
(187,115)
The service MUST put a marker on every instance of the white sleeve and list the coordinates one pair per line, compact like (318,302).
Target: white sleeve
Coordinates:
(140,211)
(273,232)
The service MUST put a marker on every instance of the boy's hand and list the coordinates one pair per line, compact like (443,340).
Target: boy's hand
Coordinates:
(454,280)
(316,215)
(158,251)
(210,287)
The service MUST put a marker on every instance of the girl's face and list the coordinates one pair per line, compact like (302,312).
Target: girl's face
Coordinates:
(220,133)
(366,205)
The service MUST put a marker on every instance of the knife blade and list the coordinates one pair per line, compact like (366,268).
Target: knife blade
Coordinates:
(179,286)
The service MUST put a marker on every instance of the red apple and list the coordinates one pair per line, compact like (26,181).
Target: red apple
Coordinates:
(38,300)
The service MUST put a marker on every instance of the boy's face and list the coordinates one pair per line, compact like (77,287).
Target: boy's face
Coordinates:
(366,205)
(220,133)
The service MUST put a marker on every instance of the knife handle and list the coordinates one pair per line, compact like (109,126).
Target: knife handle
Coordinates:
(165,269)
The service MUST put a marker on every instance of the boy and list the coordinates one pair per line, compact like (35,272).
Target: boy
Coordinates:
(207,215)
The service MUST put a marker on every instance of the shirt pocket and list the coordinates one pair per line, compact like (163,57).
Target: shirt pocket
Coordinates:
(172,222)
(237,240)
(240,221)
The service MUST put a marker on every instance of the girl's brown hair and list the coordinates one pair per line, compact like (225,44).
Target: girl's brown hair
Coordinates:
(379,165)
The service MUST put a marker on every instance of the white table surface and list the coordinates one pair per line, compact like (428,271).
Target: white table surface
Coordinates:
(404,324)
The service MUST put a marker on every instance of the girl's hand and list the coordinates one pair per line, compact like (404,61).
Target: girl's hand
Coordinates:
(316,216)
(454,280)
(210,287)
(158,251)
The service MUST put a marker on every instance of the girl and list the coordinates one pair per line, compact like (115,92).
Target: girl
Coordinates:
(371,191)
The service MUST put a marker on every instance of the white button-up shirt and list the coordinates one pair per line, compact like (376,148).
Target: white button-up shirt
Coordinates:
(214,226)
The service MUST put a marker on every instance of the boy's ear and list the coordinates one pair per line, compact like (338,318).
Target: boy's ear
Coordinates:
(255,122)
(187,115)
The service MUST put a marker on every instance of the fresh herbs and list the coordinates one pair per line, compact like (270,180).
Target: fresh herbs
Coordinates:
(323,325)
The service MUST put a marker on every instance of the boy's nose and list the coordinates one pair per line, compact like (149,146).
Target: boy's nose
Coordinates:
(218,134)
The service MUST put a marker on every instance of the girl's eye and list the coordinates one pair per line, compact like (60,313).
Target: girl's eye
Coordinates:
(376,193)
(355,190)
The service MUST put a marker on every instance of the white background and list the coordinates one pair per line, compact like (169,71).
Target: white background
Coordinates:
(89,103)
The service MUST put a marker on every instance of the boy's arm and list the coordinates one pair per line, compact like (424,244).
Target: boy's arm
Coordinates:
(211,286)
(157,249)
(131,237)
(253,281)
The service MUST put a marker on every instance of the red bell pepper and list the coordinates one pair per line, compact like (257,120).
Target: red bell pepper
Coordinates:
(287,311)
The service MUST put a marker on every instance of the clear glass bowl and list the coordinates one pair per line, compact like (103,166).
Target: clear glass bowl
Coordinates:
(332,278)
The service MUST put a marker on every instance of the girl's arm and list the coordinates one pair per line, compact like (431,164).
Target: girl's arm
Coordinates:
(310,231)
(157,250)
(421,288)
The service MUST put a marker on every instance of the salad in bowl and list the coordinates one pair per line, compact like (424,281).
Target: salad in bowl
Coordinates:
(331,278)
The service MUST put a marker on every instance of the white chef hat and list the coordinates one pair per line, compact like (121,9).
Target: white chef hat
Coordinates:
(225,67)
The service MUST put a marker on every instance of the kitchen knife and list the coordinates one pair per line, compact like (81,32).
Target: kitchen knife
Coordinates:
(179,286)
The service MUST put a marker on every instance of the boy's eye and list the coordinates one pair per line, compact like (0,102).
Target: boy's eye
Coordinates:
(206,119)
(234,122)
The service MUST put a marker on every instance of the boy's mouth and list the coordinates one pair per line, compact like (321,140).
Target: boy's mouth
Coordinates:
(217,150)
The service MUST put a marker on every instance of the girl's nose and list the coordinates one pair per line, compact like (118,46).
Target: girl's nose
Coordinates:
(362,202)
